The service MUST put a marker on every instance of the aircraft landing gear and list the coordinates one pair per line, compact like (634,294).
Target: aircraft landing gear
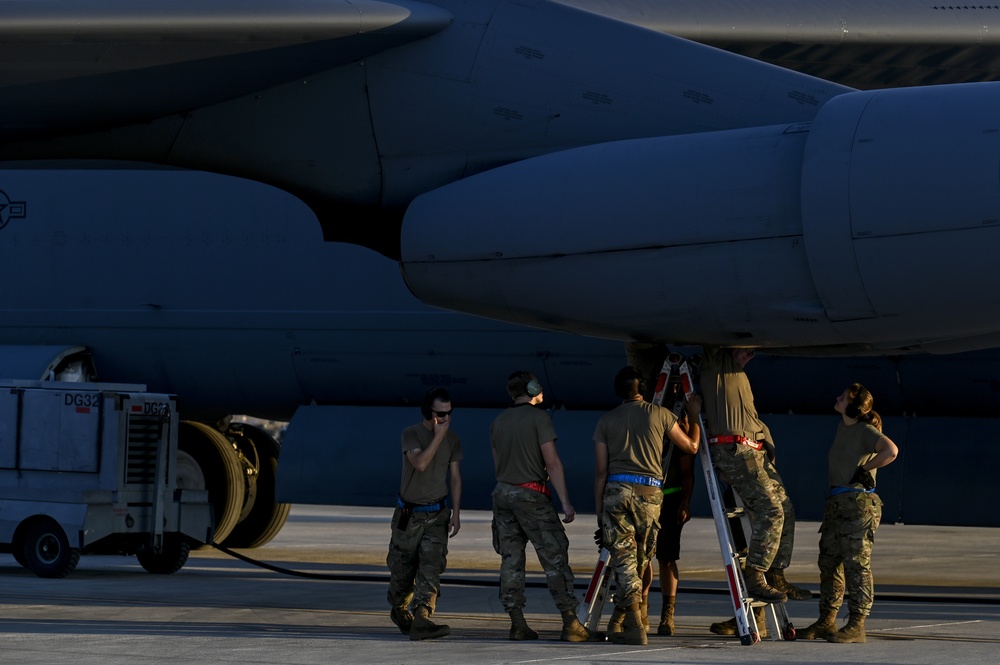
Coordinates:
(238,469)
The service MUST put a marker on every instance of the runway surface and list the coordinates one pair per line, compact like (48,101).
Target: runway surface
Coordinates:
(938,600)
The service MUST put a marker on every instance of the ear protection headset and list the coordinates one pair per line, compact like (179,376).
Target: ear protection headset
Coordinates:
(531,386)
(429,397)
(853,410)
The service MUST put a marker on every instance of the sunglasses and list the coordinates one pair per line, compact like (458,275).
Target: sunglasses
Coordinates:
(442,414)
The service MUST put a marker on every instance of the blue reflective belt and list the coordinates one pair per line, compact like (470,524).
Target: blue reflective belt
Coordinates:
(834,491)
(635,479)
(430,508)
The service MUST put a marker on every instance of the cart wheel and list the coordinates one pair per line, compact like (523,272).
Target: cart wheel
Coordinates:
(747,640)
(790,633)
(47,552)
(169,560)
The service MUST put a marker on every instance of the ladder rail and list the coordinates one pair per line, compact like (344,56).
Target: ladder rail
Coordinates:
(597,593)
(745,622)
(746,625)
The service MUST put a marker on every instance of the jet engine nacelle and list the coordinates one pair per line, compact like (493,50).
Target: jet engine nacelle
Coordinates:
(872,228)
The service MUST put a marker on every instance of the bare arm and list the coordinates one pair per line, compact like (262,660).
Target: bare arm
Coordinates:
(455,477)
(600,475)
(686,465)
(553,464)
(885,452)
(421,459)
(686,441)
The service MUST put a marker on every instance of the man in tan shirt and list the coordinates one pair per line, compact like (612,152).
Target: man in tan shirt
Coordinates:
(423,520)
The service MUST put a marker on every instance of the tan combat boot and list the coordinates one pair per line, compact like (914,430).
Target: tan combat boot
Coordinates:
(402,618)
(615,622)
(761,619)
(728,627)
(666,626)
(854,631)
(519,629)
(776,578)
(633,631)
(826,625)
(574,631)
(758,588)
(423,628)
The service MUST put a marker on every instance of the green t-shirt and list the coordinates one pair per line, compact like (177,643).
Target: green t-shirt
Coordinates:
(517,435)
(853,446)
(728,400)
(634,435)
(430,485)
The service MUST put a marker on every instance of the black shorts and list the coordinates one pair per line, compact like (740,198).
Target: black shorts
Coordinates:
(668,541)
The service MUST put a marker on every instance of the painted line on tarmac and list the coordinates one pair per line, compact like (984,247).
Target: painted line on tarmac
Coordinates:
(929,625)
(612,654)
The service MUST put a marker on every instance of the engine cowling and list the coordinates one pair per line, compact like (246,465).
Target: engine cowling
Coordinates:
(872,227)
(901,215)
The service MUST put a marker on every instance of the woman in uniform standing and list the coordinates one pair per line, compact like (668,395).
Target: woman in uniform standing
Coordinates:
(853,512)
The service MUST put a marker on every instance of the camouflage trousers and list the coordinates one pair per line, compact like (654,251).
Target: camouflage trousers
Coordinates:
(521,515)
(772,518)
(417,557)
(845,551)
(631,524)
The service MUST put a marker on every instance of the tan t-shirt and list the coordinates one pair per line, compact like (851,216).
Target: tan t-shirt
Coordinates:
(634,435)
(516,436)
(431,484)
(853,446)
(728,400)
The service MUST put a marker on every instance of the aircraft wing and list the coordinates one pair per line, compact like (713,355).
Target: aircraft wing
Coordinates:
(858,43)
(536,142)
(68,65)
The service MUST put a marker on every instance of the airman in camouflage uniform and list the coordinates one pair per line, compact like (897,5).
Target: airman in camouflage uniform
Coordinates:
(417,557)
(678,485)
(422,522)
(845,551)
(743,453)
(628,448)
(853,512)
(524,452)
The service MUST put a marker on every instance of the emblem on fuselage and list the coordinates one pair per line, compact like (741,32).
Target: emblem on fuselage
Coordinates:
(11,209)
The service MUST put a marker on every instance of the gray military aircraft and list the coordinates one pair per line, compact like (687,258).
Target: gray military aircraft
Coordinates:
(573,165)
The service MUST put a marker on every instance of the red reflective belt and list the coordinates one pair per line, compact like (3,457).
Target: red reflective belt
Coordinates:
(538,487)
(735,438)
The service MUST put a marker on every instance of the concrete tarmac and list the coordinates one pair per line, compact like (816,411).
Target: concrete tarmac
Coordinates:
(937,601)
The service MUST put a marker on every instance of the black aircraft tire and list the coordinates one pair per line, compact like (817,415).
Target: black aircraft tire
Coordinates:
(267,516)
(47,552)
(171,559)
(222,470)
